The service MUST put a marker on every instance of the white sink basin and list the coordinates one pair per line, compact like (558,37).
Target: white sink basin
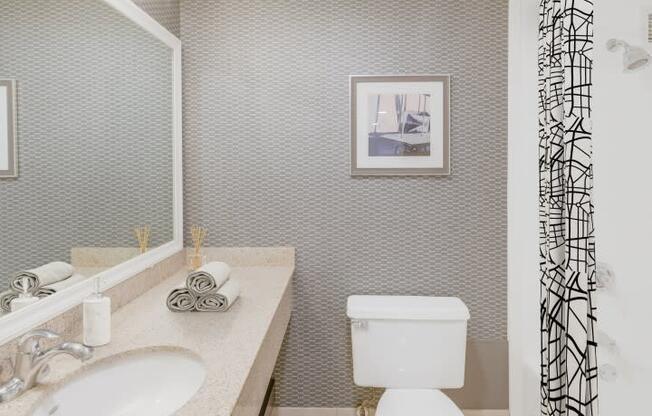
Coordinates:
(139,383)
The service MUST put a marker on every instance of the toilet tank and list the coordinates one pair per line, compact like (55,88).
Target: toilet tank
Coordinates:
(408,342)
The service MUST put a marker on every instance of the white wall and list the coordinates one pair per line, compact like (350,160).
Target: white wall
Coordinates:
(623,200)
(523,270)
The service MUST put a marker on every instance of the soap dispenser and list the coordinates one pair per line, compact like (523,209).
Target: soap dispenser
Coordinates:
(97,318)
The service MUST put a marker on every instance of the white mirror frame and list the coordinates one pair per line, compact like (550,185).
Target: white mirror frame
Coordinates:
(16,323)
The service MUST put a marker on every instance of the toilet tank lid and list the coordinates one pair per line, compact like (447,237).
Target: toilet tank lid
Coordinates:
(407,307)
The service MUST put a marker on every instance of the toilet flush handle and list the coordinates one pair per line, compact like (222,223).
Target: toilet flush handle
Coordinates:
(358,323)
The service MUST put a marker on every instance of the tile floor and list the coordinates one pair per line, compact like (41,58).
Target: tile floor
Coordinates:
(321,411)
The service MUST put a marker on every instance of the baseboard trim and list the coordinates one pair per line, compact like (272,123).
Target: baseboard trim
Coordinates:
(343,411)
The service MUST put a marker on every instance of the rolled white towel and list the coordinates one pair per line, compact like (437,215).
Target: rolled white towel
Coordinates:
(30,280)
(59,286)
(5,300)
(221,300)
(181,299)
(208,278)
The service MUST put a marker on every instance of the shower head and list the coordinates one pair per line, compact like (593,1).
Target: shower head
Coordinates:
(634,57)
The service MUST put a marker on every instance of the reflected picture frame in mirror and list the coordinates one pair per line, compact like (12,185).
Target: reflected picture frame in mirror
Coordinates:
(8,145)
(16,323)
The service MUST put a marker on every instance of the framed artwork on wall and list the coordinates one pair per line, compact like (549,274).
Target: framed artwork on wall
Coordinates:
(400,125)
(8,154)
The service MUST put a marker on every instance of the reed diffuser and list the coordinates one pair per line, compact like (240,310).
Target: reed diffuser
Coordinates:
(142,235)
(196,260)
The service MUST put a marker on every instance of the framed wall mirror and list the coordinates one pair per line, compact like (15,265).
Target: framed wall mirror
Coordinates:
(96,99)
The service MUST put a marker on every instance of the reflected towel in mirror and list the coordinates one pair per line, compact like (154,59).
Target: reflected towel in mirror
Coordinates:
(29,281)
(5,300)
(59,286)
(7,296)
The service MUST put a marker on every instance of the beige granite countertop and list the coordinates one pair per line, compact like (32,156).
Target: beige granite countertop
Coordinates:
(228,343)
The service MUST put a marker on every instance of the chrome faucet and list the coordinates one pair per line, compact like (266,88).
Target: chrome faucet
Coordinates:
(32,360)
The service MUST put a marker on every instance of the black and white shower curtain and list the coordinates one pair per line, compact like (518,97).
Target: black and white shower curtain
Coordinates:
(567,262)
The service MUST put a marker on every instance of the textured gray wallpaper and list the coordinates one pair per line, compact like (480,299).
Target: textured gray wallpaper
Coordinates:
(166,12)
(94,131)
(266,162)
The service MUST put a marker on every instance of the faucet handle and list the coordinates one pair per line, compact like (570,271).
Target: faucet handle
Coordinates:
(30,342)
(11,389)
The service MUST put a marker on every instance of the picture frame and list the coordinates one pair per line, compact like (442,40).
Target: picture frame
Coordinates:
(8,148)
(400,125)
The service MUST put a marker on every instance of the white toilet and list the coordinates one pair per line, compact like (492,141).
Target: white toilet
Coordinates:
(412,346)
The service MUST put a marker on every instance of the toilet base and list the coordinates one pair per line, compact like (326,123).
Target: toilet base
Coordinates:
(422,402)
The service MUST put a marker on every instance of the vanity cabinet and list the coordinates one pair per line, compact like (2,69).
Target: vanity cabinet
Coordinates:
(266,409)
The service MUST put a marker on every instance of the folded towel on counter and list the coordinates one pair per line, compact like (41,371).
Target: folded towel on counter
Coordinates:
(30,280)
(208,278)
(5,300)
(181,300)
(221,300)
(59,286)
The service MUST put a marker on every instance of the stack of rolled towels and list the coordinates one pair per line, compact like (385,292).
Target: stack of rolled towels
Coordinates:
(207,289)
(40,282)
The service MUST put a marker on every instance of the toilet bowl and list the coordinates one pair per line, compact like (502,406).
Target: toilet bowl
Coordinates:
(416,402)
(412,346)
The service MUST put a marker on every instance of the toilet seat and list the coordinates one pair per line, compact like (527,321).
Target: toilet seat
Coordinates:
(422,402)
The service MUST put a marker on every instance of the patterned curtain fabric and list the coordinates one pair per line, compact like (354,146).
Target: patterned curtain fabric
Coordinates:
(568,348)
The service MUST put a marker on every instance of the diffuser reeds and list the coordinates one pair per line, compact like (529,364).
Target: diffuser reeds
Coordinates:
(142,235)
(198,235)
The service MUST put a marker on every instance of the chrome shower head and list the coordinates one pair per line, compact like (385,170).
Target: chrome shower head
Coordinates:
(634,57)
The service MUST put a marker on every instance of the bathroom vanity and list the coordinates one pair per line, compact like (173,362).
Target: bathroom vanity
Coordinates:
(237,349)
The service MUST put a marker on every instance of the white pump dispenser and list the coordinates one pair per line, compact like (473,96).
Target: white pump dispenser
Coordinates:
(97,318)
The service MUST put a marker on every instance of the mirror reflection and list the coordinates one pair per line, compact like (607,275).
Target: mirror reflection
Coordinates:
(93,138)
